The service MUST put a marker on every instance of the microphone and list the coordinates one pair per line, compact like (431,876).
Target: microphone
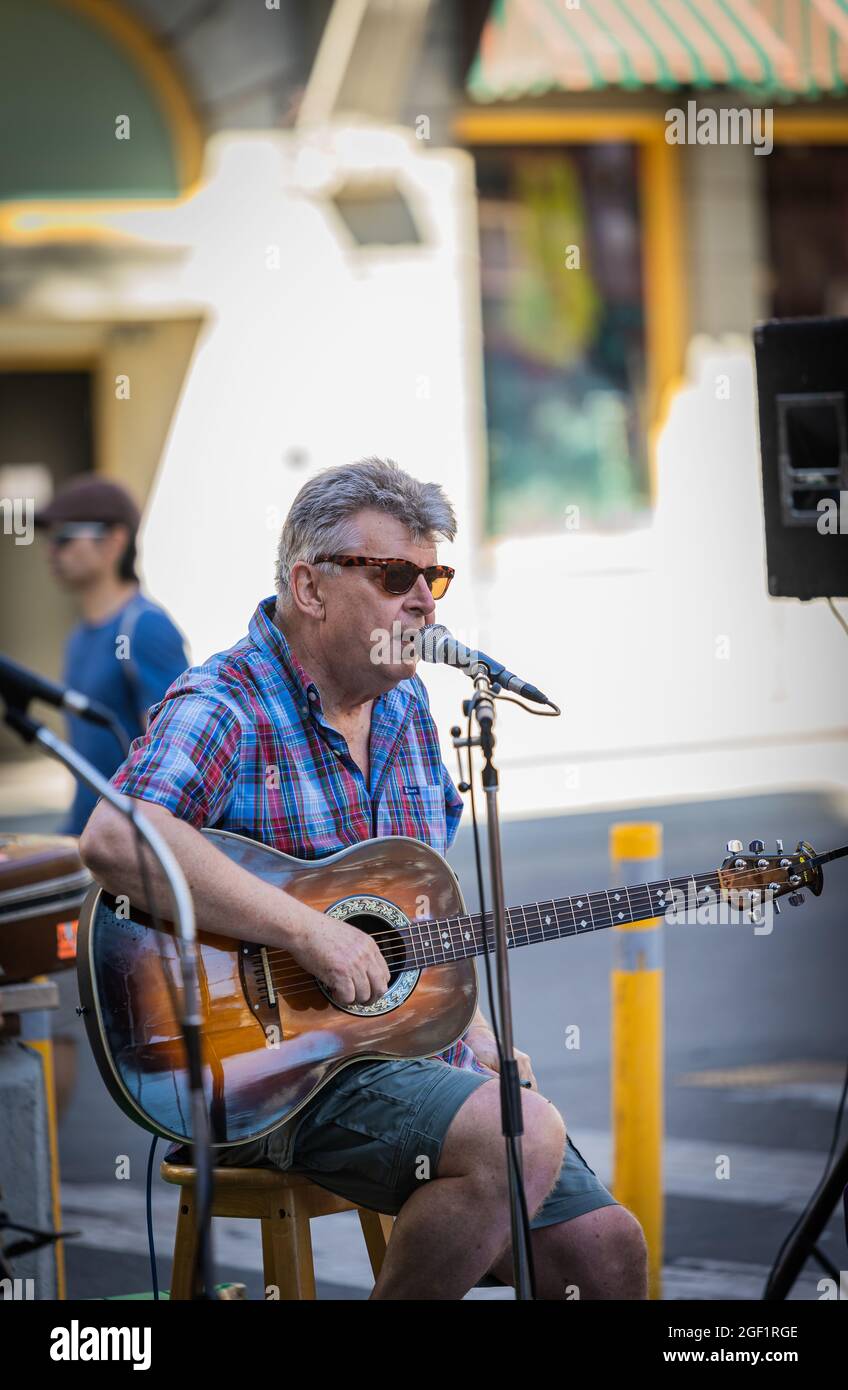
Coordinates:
(18,686)
(435,643)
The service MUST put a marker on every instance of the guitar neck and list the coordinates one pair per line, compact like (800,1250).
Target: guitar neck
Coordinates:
(432,941)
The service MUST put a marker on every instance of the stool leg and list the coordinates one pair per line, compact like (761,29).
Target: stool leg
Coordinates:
(287,1251)
(377,1230)
(185,1248)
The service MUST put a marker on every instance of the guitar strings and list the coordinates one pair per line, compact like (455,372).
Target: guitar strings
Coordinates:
(462,922)
(289,978)
(472,919)
(558,905)
(284,974)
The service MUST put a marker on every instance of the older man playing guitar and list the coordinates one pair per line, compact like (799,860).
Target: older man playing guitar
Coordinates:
(295,737)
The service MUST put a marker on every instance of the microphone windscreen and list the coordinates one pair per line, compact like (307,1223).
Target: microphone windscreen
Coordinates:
(430,640)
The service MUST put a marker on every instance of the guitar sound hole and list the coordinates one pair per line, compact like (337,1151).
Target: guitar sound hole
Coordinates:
(390,942)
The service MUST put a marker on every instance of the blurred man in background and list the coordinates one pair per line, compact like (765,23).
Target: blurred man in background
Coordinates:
(124,652)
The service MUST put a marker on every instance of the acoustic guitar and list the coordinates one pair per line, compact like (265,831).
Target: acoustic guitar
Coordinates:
(273,1034)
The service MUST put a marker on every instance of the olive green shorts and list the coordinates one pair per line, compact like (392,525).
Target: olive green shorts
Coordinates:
(374,1133)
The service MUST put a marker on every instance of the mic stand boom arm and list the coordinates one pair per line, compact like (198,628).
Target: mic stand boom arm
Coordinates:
(186,936)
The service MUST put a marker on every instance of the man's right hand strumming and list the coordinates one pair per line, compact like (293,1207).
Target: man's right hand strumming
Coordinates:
(346,960)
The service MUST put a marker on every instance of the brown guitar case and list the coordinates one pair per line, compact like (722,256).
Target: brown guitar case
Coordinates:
(42,885)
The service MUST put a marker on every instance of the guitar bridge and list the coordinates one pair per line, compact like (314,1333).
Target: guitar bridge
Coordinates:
(258,984)
(266,970)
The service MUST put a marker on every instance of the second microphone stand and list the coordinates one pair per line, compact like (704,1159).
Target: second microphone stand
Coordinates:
(186,940)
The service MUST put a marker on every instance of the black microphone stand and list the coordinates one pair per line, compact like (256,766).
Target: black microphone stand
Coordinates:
(804,1243)
(832,1188)
(482,706)
(186,937)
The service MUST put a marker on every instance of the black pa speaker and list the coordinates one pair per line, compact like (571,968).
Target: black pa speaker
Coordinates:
(802,390)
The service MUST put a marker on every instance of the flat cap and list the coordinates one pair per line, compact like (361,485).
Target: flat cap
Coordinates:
(89,497)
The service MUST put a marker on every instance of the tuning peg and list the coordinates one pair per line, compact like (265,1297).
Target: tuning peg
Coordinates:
(734,846)
(774,889)
(779,844)
(756,847)
(796,899)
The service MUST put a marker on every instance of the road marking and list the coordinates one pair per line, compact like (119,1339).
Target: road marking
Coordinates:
(767,1074)
(714,1280)
(760,1177)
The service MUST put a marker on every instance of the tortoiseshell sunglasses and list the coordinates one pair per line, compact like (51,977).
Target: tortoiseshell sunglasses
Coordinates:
(399,575)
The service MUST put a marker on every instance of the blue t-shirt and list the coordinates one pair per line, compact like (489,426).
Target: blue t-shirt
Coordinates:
(127,676)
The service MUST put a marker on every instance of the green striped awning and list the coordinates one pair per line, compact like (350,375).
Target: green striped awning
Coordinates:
(790,47)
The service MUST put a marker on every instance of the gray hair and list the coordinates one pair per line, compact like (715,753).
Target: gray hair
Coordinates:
(319,520)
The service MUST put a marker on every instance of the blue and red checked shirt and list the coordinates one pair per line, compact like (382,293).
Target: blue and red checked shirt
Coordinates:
(241,743)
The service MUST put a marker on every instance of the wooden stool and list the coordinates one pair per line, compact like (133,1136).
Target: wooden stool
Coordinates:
(284,1203)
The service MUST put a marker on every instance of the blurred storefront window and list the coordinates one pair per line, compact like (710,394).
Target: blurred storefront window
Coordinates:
(564,340)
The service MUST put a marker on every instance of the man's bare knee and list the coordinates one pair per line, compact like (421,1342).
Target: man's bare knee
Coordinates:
(473,1147)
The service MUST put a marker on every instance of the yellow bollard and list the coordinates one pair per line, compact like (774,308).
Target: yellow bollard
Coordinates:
(35,1032)
(637,1044)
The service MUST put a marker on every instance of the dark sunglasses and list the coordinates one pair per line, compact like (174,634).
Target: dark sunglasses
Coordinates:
(398,576)
(73,530)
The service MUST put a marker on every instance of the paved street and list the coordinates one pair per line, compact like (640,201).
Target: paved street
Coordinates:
(755,1048)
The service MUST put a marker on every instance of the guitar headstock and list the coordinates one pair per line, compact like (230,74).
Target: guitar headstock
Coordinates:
(753,871)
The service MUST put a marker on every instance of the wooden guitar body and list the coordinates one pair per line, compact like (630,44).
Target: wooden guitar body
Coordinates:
(272,1036)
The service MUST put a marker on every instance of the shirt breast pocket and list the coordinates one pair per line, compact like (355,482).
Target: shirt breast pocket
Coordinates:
(425,805)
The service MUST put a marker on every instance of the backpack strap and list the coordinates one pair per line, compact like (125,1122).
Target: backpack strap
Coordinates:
(137,605)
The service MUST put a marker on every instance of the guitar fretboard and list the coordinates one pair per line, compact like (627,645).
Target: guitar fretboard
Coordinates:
(431,941)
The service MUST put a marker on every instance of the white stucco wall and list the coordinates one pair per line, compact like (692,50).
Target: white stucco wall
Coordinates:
(678,675)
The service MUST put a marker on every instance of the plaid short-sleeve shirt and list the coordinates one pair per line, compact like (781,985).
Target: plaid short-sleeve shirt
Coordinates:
(241,743)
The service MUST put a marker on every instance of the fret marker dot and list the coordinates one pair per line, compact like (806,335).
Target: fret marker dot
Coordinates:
(468,936)
(621,916)
(583,923)
(617,896)
(547,921)
(579,902)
